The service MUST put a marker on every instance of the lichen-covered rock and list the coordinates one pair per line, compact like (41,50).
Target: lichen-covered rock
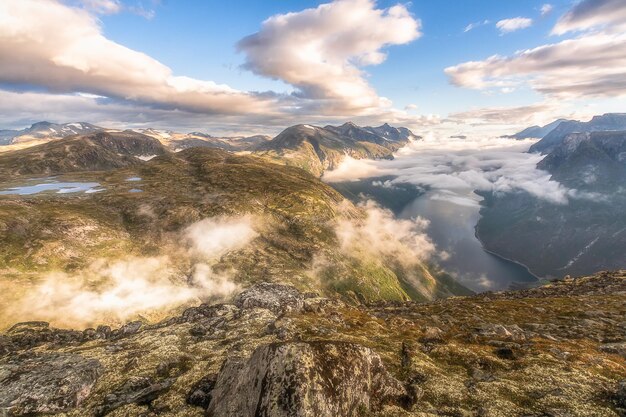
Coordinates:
(46,383)
(277,298)
(321,379)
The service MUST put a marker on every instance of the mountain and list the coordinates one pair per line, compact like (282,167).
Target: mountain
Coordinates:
(92,152)
(317,149)
(592,162)
(537,131)
(47,131)
(274,351)
(179,141)
(605,122)
(142,210)
(586,234)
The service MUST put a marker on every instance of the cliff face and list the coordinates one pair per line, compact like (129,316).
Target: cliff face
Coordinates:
(605,122)
(552,350)
(582,236)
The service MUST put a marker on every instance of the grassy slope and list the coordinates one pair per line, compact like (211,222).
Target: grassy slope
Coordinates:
(52,232)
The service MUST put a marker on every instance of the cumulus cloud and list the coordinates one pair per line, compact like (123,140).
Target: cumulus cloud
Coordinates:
(76,57)
(320,50)
(41,50)
(589,65)
(588,14)
(513,24)
(114,291)
(461,166)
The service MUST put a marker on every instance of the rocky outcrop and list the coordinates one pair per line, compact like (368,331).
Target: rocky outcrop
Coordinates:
(277,298)
(322,379)
(554,350)
(46,383)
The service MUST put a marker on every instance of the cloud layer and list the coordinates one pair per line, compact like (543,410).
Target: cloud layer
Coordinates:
(457,166)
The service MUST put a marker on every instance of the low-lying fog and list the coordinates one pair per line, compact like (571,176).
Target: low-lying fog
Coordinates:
(444,173)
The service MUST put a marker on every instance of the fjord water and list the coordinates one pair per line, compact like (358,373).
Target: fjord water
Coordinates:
(453,217)
(452,221)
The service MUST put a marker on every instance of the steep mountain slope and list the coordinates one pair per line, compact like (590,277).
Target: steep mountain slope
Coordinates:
(46,131)
(584,235)
(94,152)
(317,149)
(557,350)
(605,122)
(537,131)
(142,212)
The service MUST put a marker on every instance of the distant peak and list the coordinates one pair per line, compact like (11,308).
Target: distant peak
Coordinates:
(41,124)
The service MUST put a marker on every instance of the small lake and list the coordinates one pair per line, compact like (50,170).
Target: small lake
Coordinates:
(453,217)
(54,186)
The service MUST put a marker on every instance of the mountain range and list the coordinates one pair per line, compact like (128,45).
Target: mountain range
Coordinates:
(146,196)
(312,148)
(536,131)
(317,149)
(586,234)
(605,122)
(46,131)
(261,290)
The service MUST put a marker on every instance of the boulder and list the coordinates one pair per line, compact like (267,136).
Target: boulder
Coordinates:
(277,298)
(321,379)
(46,383)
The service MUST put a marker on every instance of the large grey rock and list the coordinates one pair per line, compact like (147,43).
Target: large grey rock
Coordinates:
(277,298)
(46,383)
(313,379)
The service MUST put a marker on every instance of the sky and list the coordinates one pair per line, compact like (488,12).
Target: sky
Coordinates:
(462,67)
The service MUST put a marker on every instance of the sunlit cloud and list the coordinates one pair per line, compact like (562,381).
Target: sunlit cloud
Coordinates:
(513,24)
(40,50)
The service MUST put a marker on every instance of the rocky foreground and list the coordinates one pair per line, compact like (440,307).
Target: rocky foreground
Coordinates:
(556,350)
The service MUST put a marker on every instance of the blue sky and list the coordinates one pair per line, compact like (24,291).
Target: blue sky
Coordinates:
(176,64)
(198,38)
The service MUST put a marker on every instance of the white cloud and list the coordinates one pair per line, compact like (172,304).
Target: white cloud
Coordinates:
(47,44)
(103,6)
(474,25)
(546,9)
(216,236)
(458,165)
(76,57)
(589,65)
(320,50)
(381,236)
(588,14)
(513,24)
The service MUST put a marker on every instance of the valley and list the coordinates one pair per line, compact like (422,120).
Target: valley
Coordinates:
(147,276)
